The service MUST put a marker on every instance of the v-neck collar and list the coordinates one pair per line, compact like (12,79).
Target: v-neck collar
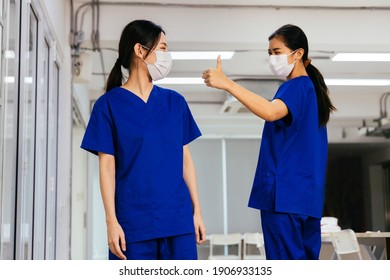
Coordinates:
(145,112)
(138,99)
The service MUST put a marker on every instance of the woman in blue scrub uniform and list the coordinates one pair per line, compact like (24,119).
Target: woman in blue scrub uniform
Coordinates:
(141,134)
(289,184)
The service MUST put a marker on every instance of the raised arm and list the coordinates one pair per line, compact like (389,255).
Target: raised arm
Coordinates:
(261,107)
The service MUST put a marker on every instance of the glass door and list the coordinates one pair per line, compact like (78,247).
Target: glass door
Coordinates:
(40,189)
(51,199)
(28,92)
(8,126)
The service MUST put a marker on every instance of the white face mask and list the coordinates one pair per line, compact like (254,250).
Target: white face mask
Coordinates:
(279,65)
(161,67)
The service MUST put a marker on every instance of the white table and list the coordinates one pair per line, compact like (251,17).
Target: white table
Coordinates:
(365,239)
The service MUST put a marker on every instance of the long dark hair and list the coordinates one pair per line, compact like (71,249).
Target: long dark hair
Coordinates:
(294,38)
(144,32)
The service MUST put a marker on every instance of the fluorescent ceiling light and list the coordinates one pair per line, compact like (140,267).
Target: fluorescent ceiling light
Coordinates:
(9,54)
(361,57)
(28,80)
(329,82)
(9,79)
(357,82)
(180,81)
(201,55)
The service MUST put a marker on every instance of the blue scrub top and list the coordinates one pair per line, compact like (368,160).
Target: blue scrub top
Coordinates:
(151,197)
(291,170)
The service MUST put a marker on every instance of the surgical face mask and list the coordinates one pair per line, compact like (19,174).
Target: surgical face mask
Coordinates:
(161,67)
(280,66)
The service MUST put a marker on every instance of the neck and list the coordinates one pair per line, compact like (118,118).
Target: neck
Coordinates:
(139,82)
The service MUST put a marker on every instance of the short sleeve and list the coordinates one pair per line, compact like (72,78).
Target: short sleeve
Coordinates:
(292,94)
(190,128)
(99,136)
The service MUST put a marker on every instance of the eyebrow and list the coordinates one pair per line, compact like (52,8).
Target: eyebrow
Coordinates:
(274,49)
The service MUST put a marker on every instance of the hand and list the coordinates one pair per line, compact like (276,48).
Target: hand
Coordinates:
(200,230)
(116,239)
(214,77)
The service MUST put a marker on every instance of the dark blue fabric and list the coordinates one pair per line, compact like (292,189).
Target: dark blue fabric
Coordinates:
(291,236)
(181,247)
(290,174)
(146,138)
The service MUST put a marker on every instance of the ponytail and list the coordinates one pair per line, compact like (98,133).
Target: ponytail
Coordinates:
(325,106)
(115,79)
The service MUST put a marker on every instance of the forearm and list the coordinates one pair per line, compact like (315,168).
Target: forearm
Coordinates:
(190,179)
(107,185)
(258,105)
(261,107)
(115,235)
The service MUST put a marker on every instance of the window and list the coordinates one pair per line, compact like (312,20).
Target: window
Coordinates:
(52,164)
(8,126)
(29,83)
(28,93)
(40,191)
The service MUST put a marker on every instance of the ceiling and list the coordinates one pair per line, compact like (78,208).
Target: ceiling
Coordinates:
(244,26)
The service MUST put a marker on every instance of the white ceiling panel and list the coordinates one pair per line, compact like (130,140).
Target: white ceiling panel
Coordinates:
(244,27)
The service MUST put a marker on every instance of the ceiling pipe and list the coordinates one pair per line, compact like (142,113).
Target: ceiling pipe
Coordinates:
(230,6)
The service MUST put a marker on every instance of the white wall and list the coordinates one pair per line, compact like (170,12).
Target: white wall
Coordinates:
(58,12)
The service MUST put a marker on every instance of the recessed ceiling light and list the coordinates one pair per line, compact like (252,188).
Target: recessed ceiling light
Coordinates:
(329,82)
(180,81)
(9,79)
(357,82)
(201,55)
(9,54)
(362,57)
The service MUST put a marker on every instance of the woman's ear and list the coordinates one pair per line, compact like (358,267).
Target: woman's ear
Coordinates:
(139,50)
(300,52)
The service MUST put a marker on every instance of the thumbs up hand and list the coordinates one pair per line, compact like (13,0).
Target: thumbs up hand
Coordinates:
(214,77)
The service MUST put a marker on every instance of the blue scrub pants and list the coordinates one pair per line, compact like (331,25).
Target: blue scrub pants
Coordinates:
(181,247)
(291,236)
